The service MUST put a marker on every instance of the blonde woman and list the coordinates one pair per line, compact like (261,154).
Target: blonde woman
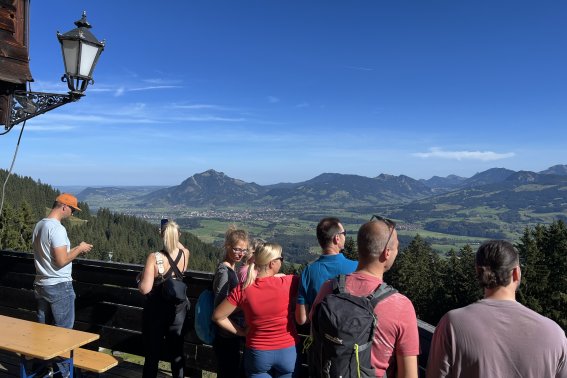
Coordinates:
(243,270)
(266,299)
(226,345)
(160,317)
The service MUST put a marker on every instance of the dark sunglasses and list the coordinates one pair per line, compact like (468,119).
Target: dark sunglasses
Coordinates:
(72,210)
(342,233)
(279,258)
(390,223)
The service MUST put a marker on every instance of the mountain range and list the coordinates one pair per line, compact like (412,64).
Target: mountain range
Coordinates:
(212,189)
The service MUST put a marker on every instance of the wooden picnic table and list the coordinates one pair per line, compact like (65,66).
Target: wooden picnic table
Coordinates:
(41,341)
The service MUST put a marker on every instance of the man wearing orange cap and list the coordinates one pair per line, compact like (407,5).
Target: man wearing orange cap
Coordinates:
(53,255)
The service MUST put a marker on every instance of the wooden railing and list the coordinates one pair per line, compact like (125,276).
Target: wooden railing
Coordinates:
(108,303)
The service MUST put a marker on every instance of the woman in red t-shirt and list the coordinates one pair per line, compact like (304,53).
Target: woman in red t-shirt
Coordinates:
(267,299)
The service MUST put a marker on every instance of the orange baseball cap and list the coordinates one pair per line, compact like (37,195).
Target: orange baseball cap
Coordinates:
(69,200)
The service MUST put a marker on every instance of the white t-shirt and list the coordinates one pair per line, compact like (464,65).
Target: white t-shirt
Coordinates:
(49,234)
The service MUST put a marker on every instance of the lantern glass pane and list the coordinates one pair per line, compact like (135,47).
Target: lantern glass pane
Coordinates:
(88,56)
(70,55)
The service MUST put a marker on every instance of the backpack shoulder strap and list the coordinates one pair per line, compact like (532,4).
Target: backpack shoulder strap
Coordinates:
(339,284)
(159,262)
(382,292)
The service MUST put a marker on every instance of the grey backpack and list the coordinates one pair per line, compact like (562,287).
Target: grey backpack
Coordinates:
(343,329)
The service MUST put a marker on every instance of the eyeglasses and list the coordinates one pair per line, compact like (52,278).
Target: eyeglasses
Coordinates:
(390,223)
(72,210)
(342,233)
(279,258)
(240,250)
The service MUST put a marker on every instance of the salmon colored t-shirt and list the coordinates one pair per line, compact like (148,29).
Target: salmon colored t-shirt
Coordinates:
(267,305)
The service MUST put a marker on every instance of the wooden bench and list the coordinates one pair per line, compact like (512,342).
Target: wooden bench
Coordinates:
(91,360)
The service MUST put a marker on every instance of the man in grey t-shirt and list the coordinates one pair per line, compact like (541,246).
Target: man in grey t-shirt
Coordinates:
(53,255)
(497,336)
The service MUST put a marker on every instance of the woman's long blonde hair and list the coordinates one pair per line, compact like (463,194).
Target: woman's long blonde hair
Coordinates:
(170,236)
(263,254)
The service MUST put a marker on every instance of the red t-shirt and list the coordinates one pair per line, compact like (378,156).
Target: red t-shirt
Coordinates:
(397,324)
(267,305)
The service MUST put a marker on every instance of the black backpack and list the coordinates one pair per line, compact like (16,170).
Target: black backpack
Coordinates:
(343,328)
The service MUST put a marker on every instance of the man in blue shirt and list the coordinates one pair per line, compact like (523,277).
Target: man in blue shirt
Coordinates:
(331,236)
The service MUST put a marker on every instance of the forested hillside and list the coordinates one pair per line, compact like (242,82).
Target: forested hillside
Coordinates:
(436,285)
(125,238)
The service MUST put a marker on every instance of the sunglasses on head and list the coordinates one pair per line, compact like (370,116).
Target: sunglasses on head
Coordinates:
(390,223)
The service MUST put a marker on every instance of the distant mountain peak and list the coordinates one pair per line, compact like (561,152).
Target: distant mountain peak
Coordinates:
(559,169)
(490,176)
(210,173)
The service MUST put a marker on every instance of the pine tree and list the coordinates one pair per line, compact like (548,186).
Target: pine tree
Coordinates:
(535,274)
(460,283)
(418,275)
(555,248)
(350,250)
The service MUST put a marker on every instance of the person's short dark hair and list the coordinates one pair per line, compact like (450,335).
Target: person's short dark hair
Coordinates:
(327,229)
(371,240)
(494,262)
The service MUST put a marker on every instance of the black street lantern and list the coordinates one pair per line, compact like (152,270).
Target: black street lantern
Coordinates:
(80,50)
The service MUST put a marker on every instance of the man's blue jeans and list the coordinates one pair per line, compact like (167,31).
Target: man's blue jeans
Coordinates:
(270,363)
(56,306)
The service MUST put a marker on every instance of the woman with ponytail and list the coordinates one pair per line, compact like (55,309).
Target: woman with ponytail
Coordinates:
(266,298)
(163,318)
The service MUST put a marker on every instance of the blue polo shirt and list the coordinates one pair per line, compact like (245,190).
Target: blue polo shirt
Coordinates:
(319,271)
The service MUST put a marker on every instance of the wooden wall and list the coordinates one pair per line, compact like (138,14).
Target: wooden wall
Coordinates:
(14,51)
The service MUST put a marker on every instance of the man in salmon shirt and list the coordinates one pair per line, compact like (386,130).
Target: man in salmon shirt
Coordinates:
(395,345)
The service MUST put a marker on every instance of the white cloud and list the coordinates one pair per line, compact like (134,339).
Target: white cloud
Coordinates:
(200,107)
(119,92)
(160,81)
(463,155)
(150,88)
(209,118)
(39,128)
(359,68)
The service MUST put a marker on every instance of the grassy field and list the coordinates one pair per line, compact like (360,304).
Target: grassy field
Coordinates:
(212,231)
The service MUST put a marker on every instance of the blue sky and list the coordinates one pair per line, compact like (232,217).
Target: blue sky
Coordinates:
(282,91)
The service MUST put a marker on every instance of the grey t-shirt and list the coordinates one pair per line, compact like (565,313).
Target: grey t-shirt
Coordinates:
(225,280)
(497,338)
(48,234)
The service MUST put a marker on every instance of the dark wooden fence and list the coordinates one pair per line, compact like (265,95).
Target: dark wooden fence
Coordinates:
(108,303)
